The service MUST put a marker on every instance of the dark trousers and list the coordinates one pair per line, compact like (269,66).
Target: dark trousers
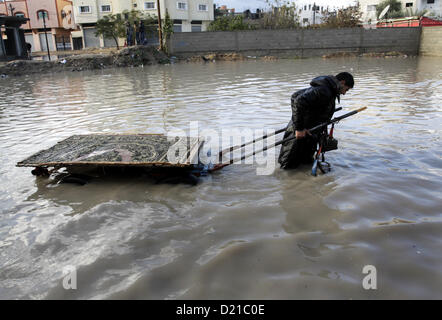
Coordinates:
(302,152)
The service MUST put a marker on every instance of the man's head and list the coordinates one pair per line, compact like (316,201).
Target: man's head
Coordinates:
(346,80)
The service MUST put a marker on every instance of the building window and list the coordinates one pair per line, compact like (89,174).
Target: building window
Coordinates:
(202,7)
(106,8)
(181,5)
(85,9)
(149,5)
(430,1)
(20,14)
(42,14)
(408,4)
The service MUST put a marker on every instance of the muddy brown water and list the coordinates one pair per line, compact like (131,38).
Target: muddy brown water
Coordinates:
(237,234)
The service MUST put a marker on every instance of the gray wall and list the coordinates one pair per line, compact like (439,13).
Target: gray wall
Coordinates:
(431,42)
(90,40)
(301,43)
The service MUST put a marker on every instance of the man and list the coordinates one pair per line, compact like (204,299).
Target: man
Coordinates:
(310,107)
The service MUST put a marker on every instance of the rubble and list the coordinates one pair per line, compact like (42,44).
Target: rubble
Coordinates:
(127,57)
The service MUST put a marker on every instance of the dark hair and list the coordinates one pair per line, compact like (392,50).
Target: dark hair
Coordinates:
(347,77)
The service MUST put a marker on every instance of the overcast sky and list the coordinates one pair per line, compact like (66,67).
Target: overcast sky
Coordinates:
(241,5)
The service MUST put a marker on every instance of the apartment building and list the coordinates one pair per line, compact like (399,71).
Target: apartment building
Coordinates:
(187,15)
(51,19)
(368,7)
(311,13)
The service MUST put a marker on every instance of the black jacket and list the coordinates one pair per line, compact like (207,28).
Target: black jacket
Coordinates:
(316,104)
(310,107)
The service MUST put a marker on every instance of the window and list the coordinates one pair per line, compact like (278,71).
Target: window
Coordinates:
(408,4)
(20,14)
(202,7)
(196,29)
(85,9)
(149,5)
(42,14)
(181,5)
(106,8)
(430,1)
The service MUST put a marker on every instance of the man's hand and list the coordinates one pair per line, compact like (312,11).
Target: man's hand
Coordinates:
(301,134)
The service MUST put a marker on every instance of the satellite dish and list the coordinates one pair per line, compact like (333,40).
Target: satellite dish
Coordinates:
(384,12)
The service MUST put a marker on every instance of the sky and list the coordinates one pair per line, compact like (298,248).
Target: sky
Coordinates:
(241,5)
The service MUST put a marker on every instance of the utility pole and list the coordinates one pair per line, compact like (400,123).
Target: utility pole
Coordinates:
(160,31)
(46,35)
(314,12)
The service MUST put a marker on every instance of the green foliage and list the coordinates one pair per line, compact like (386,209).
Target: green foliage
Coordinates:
(229,23)
(114,25)
(135,16)
(167,25)
(343,18)
(395,10)
(283,15)
(111,26)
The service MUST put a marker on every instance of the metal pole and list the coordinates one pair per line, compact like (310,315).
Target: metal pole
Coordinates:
(46,35)
(160,31)
(314,12)
(12,9)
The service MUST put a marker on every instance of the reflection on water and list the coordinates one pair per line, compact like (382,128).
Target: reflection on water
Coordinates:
(235,235)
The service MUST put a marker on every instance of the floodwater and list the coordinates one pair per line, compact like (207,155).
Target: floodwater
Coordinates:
(237,234)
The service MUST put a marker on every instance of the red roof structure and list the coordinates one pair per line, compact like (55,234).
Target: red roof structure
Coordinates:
(409,22)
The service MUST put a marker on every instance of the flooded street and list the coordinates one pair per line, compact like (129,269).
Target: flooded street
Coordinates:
(237,234)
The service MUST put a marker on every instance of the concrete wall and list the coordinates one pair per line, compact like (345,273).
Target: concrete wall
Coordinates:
(301,43)
(431,41)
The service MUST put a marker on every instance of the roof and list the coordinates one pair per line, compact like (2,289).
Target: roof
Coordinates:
(116,150)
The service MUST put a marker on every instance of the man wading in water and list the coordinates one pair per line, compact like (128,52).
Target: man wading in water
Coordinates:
(310,107)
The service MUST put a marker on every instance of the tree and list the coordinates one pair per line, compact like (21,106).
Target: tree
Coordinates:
(343,18)
(115,25)
(167,28)
(111,26)
(283,15)
(395,10)
(229,23)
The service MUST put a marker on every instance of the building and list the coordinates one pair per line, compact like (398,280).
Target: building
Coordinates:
(12,40)
(310,13)
(47,19)
(433,7)
(187,16)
